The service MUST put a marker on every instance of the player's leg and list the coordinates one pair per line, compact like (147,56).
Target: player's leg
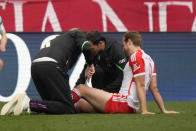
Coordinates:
(53,86)
(82,106)
(95,97)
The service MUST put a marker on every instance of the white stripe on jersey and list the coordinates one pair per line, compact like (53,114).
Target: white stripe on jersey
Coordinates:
(124,99)
(140,74)
(154,74)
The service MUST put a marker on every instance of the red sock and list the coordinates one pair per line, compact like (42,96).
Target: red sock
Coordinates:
(75,95)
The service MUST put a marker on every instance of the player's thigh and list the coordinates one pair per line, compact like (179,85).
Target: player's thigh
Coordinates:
(95,97)
(83,106)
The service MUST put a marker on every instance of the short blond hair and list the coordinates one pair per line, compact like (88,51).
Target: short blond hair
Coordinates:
(134,36)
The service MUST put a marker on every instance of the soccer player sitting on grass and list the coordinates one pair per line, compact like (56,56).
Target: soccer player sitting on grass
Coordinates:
(139,75)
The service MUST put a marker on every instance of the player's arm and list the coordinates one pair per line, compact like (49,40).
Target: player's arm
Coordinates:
(138,69)
(139,81)
(84,46)
(3,39)
(88,54)
(157,96)
(89,57)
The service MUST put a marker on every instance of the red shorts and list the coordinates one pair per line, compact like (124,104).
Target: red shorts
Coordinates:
(118,104)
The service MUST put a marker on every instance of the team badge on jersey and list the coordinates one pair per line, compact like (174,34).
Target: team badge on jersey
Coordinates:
(135,67)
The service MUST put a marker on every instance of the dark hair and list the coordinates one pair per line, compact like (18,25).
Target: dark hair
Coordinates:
(133,36)
(95,37)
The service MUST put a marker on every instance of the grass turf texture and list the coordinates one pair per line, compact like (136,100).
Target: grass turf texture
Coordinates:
(185,121)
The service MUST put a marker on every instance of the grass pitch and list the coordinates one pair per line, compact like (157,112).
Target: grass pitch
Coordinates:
(185,121)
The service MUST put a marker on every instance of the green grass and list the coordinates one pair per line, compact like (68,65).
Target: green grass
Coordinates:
(185,121)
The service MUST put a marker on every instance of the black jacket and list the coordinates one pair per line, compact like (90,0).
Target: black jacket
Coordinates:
(109,65)
(66,48)
(112,59)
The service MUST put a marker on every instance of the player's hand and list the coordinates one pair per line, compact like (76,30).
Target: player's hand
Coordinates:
(90,70)
(146,113)
(170,112)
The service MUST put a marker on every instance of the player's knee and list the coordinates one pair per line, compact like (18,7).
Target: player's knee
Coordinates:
(82,89)
(80,86)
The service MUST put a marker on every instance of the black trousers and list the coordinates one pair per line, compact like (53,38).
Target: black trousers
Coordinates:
(52,83)
(102,80)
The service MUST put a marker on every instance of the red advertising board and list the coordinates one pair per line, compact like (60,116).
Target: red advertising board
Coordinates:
(102,15)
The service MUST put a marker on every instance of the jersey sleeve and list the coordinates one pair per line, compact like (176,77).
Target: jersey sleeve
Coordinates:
(138,67)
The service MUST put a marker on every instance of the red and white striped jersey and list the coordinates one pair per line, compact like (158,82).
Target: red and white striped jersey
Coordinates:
(139,63)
